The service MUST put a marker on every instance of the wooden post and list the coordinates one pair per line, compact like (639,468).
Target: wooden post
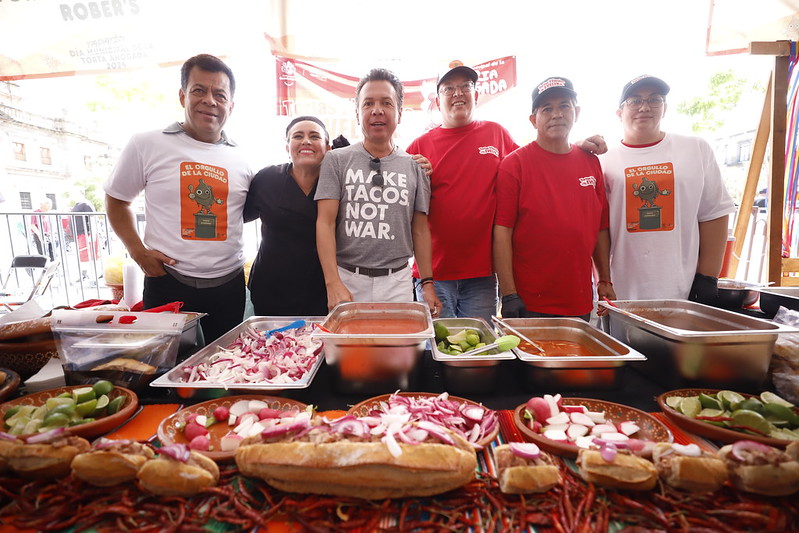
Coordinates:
(776,191)
(753,175)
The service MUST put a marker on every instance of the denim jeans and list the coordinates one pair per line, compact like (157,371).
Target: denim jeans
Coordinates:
(466,298)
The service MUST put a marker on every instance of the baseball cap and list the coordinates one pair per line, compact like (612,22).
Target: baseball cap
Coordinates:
(550,84)
(456,67)
(645,79)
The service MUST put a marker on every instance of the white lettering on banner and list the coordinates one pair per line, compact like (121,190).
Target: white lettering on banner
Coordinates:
(483,150)
(96,10)
(588,181)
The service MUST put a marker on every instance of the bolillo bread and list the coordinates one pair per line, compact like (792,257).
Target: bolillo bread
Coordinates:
(760,469)
(110,463)
(702,473)
(45,460)
(626,471)
(517,475)
(167,476)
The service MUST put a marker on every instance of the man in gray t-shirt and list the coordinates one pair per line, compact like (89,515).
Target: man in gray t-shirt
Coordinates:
(372,202)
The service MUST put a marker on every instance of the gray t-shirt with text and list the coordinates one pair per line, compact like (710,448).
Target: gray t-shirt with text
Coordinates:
(373,227)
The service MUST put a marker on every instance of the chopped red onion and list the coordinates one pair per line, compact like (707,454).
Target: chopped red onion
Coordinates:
(178,452)
(525,450)
(47,436)
(608,452)
(742,446)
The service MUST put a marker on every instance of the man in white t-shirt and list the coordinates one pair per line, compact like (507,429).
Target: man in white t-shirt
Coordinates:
(669,208)
(195,183)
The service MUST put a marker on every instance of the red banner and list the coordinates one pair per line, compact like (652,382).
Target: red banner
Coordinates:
(307,89)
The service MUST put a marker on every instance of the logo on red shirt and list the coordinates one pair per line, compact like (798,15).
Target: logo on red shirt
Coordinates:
(493,150)
(588,181)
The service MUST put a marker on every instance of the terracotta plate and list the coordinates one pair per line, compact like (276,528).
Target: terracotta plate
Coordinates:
(705,429)
(363,408)
(9,384)
(651,428)
(89,430)
(169,432)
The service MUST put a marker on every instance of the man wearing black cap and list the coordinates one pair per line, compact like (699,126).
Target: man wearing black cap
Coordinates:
(552,216)
(465,154)
(669,207)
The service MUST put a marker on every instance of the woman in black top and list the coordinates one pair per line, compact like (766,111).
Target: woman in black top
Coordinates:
(286,278)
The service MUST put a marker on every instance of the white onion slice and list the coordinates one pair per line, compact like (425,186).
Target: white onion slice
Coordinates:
(525,450)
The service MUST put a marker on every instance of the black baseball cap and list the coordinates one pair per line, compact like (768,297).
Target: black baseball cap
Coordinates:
(457,67)
(645,79)
(550,84)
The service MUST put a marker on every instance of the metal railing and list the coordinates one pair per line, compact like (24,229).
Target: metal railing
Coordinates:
(83,242)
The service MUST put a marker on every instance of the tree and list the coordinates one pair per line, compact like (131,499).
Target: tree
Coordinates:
(725,90)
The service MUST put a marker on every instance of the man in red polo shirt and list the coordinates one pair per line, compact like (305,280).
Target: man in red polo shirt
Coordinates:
(552,216)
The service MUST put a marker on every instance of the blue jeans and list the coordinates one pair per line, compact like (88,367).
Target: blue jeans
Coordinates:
(466,298)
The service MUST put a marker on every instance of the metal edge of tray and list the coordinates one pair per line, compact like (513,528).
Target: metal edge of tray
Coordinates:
(416,307)
(624,315)
(608,342)
(260,322)
(465,358)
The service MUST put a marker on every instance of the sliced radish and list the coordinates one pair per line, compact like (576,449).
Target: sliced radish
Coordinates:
(201,419)
(230,442)
(628,428)
(256,405)
(240,407)
(603,428)
(244,427)
(255,429)
(584,442)
(596,416)
(582,419)
(614,437)
(556,434)
(576,430)
(553,404)
(560,418)
(200,443)
(557,427)
(574,408)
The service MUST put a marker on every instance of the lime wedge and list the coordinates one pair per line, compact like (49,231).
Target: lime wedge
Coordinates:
(750,404)
(102,387)
(56,420)
(83,394)
(52,403)
(674,402)
(729,398)
(102,402)
(781,412)
(711,412)
(115,405)
(690,406)
(751,419)
(709,402)
(68,409)
(86,408)
(769,397)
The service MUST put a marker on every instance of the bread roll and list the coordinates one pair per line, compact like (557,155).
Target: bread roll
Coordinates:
(169,477)
(517,475)
(761,469)
(705,473)
(626,471)
(111,462)
(46,460)
(359,467)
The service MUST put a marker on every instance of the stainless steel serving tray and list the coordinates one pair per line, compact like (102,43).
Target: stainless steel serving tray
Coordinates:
(454,325)
(772,298)
(606,348)
(690,344)
(172,378)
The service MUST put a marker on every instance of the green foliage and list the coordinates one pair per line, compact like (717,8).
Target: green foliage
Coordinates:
(724,92)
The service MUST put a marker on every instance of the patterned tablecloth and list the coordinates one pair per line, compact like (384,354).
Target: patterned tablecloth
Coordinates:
(243,504)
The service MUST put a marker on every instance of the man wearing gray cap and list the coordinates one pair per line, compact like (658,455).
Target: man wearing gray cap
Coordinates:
(552,216)
(669,208)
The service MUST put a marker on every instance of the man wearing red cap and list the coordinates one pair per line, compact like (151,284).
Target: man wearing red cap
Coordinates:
(669,207)
(465,154)
(552,216)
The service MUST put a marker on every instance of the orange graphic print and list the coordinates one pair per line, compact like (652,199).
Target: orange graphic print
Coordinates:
(203,202)
(649,197)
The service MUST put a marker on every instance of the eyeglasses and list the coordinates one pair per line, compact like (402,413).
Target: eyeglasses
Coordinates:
(652,101)
(377,179)
(449,90)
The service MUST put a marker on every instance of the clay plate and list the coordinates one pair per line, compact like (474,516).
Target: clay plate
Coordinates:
(709,430)
(650,427)
(168,432)
(10,384)
(363,408)
(89,430)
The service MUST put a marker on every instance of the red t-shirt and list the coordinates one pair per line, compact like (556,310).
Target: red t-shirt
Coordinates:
(465,162)
(556,205)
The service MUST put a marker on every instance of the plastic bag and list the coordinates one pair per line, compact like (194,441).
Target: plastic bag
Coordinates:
(784,367)
(128,349)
